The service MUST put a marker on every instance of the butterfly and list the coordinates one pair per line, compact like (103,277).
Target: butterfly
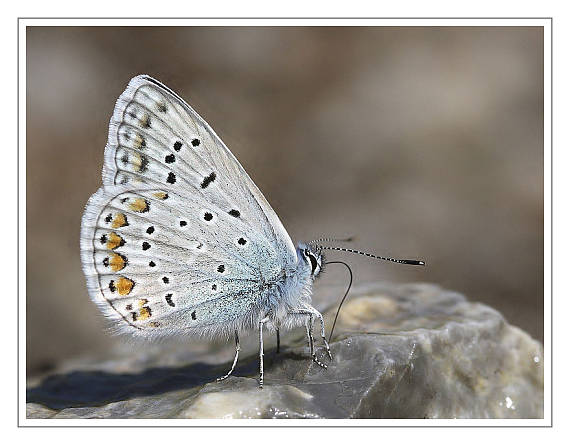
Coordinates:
(180,241)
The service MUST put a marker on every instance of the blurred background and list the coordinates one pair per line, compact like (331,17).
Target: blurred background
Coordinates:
(423,142)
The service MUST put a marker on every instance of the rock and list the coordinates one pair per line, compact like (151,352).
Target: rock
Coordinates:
(399,351)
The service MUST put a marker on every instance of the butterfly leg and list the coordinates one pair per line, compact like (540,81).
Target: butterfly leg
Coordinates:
(309,336)
(311,313)
(261,323)
(219,379)
(310,325)
(324,337)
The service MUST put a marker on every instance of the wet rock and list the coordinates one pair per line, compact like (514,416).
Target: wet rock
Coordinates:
(399,351)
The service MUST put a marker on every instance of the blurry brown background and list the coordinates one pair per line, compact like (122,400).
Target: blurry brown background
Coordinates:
(422,142)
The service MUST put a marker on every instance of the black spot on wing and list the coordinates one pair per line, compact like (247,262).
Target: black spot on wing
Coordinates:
(208,180)
(168,299)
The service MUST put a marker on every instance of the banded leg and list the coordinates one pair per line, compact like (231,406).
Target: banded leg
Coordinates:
(219,379)
(309,343)
(312,313)
(261,323)
(324,337)
(312,341)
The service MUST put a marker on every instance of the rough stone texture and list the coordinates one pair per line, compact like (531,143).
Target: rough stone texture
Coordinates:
(400,351)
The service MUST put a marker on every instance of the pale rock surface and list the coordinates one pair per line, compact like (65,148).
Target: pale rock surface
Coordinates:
(399,351)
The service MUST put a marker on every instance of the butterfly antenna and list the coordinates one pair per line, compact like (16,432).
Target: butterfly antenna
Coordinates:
(334,240)
(394,260)
(343,298)
(343,249)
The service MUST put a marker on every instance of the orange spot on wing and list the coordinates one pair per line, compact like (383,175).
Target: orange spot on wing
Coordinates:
(124,286)
(160,195)
(144,313)
(140,163)
(138,142)
(145,121)
(114,241)
(119,221)
(117,262)
(142,302)
(139,205)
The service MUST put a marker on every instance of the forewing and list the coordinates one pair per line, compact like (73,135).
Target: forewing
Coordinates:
(156,138)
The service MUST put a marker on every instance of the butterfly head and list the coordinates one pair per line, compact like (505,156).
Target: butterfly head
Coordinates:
(312,256)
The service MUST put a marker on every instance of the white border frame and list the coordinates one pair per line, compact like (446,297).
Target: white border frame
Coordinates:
(546,23)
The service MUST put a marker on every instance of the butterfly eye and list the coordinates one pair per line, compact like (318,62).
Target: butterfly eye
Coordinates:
(313,262)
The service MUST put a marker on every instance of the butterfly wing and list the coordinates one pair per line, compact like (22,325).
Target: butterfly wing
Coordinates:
(179,238)
(155,137)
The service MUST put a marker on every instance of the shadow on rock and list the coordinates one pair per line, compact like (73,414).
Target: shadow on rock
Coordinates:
(95,388)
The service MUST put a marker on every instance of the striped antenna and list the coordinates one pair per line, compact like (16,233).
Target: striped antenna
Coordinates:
(329,240)
(394,260)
